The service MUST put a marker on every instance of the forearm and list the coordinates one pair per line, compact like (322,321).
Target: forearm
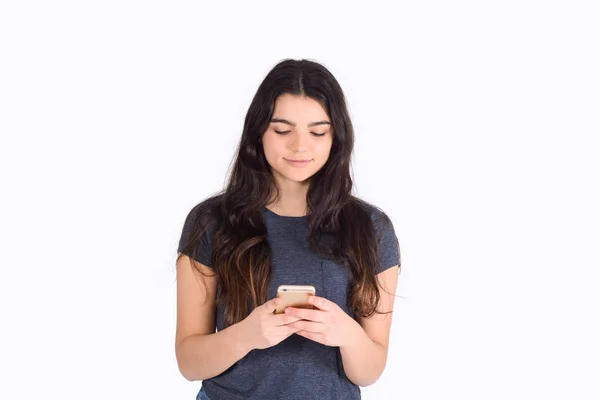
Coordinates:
(202,357)
(363,359)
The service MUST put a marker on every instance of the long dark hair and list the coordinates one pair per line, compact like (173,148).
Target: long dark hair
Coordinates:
(241,255)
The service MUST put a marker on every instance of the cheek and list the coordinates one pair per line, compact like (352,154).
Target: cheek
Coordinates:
(323,150)
(269,145)
(273,149)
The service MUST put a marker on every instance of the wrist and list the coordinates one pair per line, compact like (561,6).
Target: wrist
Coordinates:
(240,338)
(356,335)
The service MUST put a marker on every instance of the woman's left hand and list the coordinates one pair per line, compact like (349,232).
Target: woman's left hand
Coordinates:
(328,324)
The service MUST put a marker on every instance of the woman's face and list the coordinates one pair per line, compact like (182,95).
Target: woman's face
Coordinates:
(299,130)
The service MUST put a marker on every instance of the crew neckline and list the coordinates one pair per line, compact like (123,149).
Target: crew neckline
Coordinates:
(300,217)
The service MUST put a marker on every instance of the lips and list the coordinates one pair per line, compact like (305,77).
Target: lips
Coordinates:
(298,163)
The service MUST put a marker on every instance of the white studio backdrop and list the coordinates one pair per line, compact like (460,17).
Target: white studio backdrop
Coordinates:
(477,130)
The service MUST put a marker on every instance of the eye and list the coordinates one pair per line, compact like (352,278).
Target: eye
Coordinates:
(286,132)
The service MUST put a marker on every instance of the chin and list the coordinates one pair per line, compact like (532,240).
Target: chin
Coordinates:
(295,174)
(297,177)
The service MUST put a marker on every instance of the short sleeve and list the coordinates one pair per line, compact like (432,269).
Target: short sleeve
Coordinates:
(389,248)
(201,250)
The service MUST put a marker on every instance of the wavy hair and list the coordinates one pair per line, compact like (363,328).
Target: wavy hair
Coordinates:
(240,251)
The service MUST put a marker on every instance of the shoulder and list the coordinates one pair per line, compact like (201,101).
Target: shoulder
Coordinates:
(382,224)
(205,212)
(378,216)
(198,230)
(387,240)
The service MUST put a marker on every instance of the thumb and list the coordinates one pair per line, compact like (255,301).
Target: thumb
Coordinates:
(272,304)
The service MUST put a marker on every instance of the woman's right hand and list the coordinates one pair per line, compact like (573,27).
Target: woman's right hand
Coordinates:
(263,329)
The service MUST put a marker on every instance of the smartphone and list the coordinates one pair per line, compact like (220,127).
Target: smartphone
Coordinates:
(294,296)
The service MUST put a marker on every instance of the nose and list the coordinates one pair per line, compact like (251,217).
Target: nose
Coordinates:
(298,144)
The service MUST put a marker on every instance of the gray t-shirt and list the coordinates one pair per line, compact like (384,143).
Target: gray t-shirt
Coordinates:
(296,368)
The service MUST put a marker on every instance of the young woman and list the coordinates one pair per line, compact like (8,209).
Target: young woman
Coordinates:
(287,217)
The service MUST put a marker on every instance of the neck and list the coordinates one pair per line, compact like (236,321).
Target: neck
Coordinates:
(291,200)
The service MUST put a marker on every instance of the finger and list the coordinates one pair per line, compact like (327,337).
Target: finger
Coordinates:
(308,326)
(285,330)
(283,319)
(321,303)
(303,313)
(317,337)
(271,305)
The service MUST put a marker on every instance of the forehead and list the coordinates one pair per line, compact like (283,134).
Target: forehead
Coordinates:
(299,109)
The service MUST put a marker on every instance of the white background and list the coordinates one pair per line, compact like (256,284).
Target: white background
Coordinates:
(476,131)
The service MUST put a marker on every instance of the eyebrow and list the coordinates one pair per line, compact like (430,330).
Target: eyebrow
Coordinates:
(285,121)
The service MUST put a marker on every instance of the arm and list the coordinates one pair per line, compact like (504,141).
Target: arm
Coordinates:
(202,357)
(201,353)
(365,356)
